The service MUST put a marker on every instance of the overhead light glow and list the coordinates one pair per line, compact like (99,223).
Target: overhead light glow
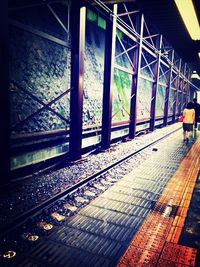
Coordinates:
(188,14)
(199,54)
(195,76)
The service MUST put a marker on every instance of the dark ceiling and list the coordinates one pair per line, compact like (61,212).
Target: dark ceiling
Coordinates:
(165,16)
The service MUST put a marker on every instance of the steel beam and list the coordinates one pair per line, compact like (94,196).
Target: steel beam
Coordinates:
(176,95)
(135,78)
(168,88)
(155,84)
(44,106)
(39,33)
(108,80)
(77,24)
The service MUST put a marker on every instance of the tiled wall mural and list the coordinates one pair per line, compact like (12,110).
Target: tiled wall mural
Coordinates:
(94,70)
(39,72)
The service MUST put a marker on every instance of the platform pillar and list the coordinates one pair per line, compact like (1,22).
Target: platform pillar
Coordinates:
(176,95)
(108,80)
(156,71)
(77,30)
(136,77)
(166,107)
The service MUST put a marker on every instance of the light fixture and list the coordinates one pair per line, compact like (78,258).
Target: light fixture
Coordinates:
(199,54)
(188,14)
(195,76)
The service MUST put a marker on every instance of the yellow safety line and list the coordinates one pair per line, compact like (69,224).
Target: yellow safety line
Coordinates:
(159,234)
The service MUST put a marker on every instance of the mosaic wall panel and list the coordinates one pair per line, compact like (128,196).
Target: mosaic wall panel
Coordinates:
(144,99)
(121,96)
(163,74)
(160,100)
(185,101)
(124,51)
(172,95)
(174,80)
(178,104)
(39,73)
(146,68)
(94,70)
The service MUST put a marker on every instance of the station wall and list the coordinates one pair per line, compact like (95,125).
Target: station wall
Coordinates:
(40,62)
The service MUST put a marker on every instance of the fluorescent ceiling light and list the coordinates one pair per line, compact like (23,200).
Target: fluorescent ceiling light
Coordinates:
(195,76)
(188,14)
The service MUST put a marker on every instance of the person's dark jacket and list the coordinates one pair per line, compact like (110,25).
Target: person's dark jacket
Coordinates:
(197,109)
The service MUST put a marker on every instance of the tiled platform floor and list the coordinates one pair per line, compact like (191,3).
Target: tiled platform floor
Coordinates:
(136,222)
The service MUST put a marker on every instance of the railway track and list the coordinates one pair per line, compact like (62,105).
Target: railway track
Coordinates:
(41,219)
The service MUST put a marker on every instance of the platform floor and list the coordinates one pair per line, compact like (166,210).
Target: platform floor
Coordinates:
(142,220)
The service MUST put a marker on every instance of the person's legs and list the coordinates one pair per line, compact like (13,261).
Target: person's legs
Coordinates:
(187,136)
(195,123)
(184,132)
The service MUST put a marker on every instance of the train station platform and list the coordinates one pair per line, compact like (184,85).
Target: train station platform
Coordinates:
(143,212)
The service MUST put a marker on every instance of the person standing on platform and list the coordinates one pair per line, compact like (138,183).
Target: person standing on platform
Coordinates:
(197,112)
(188,121)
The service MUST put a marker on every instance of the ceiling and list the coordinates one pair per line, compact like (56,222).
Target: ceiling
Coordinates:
(165,16)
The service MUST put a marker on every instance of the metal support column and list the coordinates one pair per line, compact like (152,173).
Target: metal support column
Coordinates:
(188,85)
(168,90)
(136,77)
(4,98)
(155,84)
(176,96)
(77,30)
(108,80)
(184,92)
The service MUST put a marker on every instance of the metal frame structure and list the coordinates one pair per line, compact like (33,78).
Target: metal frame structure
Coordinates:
(148,46)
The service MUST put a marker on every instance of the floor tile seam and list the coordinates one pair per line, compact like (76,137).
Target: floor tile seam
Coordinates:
(117,212)
(134,195)
(140,198)
(119,201)
(120,211)
(116,186)
(146,188)
(100,210)
(91,233)
(103,221)
(130,200)
(135,180)
(78,249)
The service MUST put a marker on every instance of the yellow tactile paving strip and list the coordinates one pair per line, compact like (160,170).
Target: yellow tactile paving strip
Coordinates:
(156,242)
